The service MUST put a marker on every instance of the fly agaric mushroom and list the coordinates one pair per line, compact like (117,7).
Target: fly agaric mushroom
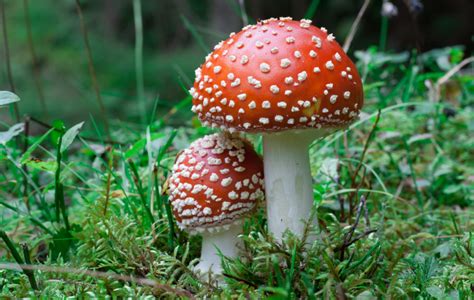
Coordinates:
(290,81)
(214,184)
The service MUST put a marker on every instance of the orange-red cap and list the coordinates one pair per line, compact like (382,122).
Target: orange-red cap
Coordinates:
(215,181)
(278,75)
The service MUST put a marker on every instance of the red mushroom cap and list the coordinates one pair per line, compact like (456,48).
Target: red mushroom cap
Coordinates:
(278,75)
(215,181)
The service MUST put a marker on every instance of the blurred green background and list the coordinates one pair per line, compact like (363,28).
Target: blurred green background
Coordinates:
(176,34)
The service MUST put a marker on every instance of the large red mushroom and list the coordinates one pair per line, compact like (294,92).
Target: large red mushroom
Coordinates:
(215,183)
(290,81)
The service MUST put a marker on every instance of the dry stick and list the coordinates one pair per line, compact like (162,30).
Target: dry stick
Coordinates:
(92,72)
(355,25)
(34,59)
(348,237)
(7,58)
(366,147)
(449,74)
(98,274)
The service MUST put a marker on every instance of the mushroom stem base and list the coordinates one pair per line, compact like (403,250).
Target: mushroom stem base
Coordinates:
(225,241)
(288,181)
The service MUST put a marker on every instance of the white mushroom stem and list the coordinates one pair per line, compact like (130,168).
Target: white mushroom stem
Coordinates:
(226,240)
(288,180)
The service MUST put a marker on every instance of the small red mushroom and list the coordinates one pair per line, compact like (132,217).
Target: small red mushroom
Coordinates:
(290,81)
(215,183)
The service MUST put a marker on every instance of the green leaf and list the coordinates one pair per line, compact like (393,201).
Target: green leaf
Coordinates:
(435,292)
(140,145)
(8,98)
(70,135)
(26,156)
(6,136)
(49,165)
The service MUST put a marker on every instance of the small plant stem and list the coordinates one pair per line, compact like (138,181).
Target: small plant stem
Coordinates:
(109,180)
(92,72)
(18,259)
(29,273)
(157,191)
(311,11)
(243,12)
(25,167)
(137,16)
(169,215)
(383,33)
(34,59)
(138,184)
(7,58)
(195,34)
(59,188)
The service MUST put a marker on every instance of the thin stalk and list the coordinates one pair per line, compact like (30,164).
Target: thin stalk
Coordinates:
(138,184)
(34,59)
(355,26)
(360,164)
(137,16)
(30,274)
(7,58)
(157,192)
(59,189)
(92,72)
(311,11)
(243,12)
(18,259)
(195,34)
(169,215)
(109,180)
(25,167)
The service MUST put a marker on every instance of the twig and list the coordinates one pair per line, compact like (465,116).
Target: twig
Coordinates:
(450,74)
(355,26)
(7,58)
(349,235)
(34,59)
(359,166)
(92,72)
(98,274)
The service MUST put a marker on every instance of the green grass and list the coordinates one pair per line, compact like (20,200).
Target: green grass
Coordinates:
(83,217)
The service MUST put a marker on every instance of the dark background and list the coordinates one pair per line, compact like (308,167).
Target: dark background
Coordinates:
(171,52)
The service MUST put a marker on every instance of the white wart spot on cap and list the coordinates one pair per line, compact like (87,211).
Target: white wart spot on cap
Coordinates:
(285,63)
(264,67)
